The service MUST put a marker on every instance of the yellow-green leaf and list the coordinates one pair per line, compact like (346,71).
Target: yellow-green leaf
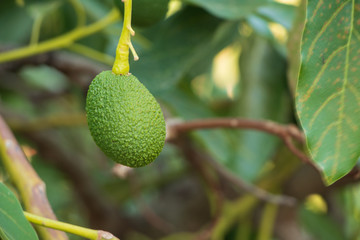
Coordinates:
(328,90)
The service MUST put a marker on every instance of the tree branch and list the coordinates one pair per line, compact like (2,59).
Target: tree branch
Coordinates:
(286,132)
(30,186)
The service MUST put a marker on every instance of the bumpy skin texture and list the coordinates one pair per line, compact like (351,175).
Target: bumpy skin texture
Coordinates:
(145,13)
(124,119)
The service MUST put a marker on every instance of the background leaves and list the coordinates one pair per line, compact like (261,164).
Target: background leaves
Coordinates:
(207,59)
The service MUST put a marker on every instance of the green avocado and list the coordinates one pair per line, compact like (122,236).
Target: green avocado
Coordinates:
(145,13)
(124,119)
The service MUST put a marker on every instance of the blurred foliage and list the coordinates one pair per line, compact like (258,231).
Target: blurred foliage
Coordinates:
(207,59)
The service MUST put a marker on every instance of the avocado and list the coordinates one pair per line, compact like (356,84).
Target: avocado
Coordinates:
(124,119)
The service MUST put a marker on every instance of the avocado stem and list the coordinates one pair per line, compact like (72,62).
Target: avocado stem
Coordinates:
(121,63)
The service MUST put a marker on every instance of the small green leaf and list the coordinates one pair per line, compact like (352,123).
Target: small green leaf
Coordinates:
(44,78)
(13,224)
(320,226)
(260,26)
(278,12)
(328,91)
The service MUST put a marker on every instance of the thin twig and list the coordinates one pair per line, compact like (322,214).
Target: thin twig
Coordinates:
(101,212)
(253,189)
(30,186)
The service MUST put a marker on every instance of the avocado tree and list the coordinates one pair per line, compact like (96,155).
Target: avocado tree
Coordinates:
(180,119)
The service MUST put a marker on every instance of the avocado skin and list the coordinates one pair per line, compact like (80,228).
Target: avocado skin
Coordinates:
(145,13)
(124,119)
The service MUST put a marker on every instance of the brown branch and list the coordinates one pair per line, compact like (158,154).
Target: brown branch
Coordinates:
(286,132)
(150,216)
(30,186)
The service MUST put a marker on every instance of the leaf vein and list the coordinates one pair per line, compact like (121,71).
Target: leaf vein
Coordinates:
(351,124)
(323,105)
(324,27)
(320,73)
(355,92)
(321,139)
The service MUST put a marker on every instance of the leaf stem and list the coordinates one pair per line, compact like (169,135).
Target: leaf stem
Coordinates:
(35,34)
(60,41)
(69,228)
(121,64)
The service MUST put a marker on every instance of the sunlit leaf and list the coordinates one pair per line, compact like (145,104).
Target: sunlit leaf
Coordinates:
(13,224)
(278,12)
(328,93)
(260,26)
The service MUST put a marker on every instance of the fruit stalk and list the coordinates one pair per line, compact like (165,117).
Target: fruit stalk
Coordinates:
(121,64)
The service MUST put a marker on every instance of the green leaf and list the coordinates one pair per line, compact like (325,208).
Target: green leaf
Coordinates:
(229,9)
(44,78)
(18,24)
(13,224)
(328,95)
(178,44)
